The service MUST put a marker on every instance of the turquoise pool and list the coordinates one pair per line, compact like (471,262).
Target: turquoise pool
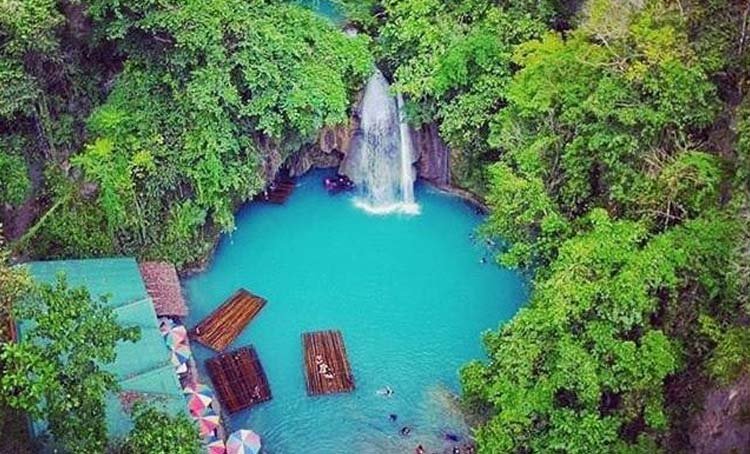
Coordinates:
(326,8)
(409,293)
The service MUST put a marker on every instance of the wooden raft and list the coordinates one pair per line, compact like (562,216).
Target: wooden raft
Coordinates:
(219,329)
(329,345)
(239,379)
(278,193)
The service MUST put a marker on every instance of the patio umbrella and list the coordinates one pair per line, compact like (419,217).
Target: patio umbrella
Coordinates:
(180,354)
(243,442)
(199,397)
(165,324)
(207,423)
(175,336)
(216,446)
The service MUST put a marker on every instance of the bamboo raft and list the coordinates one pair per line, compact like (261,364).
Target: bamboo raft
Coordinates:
(219,329)
(239,379)
(278,192)
(327,346)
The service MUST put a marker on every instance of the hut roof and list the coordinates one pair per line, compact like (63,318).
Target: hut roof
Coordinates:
(163,286)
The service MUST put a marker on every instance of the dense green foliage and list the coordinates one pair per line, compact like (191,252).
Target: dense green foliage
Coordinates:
(14,282)
(606,188)
(453,60)
(46,90)
(156,432)
(609,138)
(55,374)
(209,99)
(15,185)
(615,182)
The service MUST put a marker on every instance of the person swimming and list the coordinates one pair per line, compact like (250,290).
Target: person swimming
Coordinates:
(393,417)
(451,437)
(419,450)
(405,431)
(387,391)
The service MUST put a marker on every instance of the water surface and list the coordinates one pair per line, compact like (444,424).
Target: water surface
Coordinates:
(326,8)
(409,294)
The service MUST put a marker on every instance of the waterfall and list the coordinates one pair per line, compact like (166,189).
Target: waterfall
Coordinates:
(406,152)
(380,162)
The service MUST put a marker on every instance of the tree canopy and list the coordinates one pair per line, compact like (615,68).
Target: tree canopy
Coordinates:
(610,140)
(204,102)
(55,374)
(157,432)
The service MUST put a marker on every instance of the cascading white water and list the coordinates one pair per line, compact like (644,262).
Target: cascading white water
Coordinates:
(380,162)
(406,152)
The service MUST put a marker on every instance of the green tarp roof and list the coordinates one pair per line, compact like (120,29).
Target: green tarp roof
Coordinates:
(141,367)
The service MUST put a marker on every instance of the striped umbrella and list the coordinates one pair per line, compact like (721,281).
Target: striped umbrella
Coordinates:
(243,442)
(216,446)
(199,397)
(207,423)
(180,354)
(176,336)
(165,324)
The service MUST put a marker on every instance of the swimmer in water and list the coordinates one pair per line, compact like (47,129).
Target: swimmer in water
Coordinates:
(387,391)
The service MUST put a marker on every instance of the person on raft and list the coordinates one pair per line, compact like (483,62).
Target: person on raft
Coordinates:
(324,369)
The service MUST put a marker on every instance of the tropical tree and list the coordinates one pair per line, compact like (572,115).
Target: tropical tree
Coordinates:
(55,373)
(157,432)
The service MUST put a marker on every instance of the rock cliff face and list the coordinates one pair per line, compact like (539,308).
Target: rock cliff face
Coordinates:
(332,145)
(722,425)
(432,155)
(272,157)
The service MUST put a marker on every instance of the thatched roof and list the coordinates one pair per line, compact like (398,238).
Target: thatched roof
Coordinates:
(163,286)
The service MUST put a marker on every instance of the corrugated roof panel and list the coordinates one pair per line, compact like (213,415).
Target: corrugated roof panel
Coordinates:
(159,387)
(118,278)
(149,352)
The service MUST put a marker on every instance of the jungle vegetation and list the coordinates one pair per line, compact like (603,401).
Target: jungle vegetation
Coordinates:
(609,138)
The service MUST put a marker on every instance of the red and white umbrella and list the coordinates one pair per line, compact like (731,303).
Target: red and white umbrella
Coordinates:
(207,423)
(165,324)
(243,442)
(199,397)
(180,354)
(216,447)
(176,335)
